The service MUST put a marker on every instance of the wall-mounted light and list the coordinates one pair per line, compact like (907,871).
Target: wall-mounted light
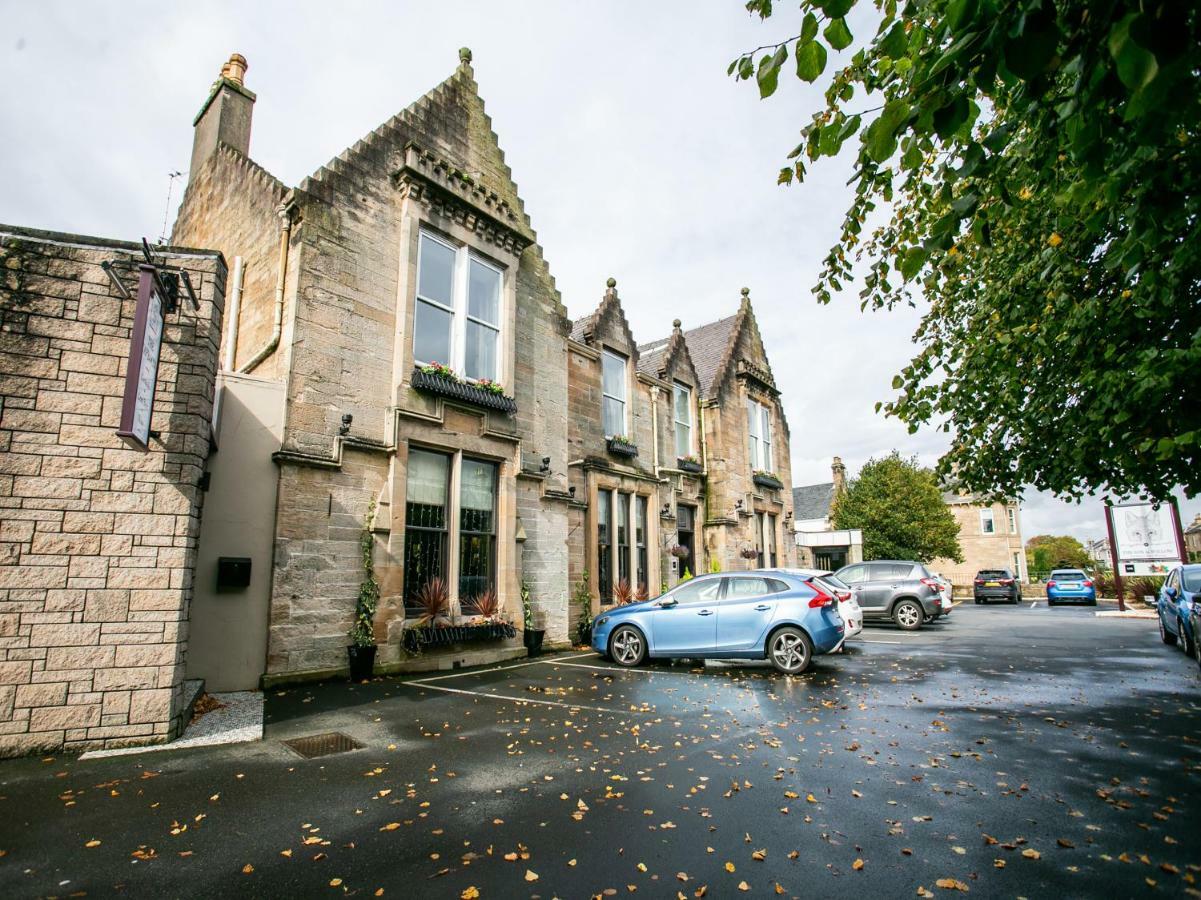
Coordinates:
(344,428)
(737,505)
(545,467)
(666,509)
(571,491)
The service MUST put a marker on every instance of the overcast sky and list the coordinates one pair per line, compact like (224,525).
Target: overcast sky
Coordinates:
(636,155)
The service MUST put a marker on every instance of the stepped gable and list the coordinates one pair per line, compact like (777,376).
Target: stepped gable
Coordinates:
(449,136)
(608,314)
(659,358)
(714,349)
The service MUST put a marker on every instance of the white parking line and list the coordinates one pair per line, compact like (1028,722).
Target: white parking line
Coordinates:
(492,696)
(1033,604)
(615,669)
(533,662)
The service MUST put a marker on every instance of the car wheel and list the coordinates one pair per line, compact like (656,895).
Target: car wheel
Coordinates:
(1187,644)
(1050,602)
(790,650)
(908,615)
(627,647)
(1092,602)
(1164,635)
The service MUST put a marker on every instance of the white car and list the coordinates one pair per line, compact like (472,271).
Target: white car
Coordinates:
(848,605)
(944,590)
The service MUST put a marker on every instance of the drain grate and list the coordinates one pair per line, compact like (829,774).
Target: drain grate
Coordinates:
(315,745)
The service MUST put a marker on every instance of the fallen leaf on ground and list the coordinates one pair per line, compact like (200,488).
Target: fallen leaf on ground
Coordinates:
(951,884)
(857,865)
(531,875)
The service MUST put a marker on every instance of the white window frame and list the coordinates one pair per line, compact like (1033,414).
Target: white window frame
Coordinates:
(625,387)
(1013,520)
(1017,566)
(759,441)
(678,388)
(460,285)
(986,515)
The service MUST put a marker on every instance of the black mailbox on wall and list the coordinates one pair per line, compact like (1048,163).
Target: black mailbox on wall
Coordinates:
(233,572)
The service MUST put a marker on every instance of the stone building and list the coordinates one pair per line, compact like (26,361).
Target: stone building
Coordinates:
(990,535)
(98,540)
(400,299)
(819,544)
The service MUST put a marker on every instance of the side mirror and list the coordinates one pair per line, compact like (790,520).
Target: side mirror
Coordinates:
(668,602)
(1171,592)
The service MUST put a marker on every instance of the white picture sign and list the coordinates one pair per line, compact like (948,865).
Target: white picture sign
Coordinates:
(146,341)
(1144,533)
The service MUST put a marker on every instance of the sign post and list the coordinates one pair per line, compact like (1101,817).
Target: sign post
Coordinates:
(1113,555)
(145,343)
(1144,538)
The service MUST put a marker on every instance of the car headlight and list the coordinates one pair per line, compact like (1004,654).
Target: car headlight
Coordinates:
(603,620)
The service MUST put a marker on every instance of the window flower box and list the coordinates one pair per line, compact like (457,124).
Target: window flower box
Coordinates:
(621,446)
(689,464)
(767,480)
(442,382)
(423,637)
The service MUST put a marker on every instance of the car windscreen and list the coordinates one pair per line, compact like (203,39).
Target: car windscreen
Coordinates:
(1191,580)
(1067,575)
(993,573)
(830,585)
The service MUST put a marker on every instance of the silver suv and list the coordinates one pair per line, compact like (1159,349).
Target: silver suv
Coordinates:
(894,590)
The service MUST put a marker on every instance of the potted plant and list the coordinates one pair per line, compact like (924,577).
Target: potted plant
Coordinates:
(620,445)
(532,622)
(766,479)
(643,593)
(440,379)
(583,597)
(623,594)
(749,554)
(689,464)
(360,652)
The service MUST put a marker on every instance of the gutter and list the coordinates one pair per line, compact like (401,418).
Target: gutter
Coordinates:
(285,232)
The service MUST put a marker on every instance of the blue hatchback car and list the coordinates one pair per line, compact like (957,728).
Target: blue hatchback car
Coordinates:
(1178,597)
(1070,585)
(761,614)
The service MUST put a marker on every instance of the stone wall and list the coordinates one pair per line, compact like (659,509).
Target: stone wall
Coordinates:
(980,550)
(97,541)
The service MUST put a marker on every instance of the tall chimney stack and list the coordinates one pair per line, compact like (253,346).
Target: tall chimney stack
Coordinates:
(839,472)
(225,116)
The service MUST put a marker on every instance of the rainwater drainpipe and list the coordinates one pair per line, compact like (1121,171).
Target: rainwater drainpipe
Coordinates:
(235,305)
(655,426)
(285,232)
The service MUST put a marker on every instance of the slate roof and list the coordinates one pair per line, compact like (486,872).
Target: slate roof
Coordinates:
(581,326)
(707,346)
(651,356)
(812,501)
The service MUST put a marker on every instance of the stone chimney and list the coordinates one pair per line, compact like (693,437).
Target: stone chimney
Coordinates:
(839,471)
(225,116)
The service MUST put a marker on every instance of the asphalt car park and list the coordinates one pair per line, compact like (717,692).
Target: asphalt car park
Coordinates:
(1009,751)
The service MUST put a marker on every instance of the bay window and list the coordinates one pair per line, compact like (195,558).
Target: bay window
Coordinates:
(426,521)
(477,530)
(457,319)
(682,413)
(452,541)
(613,393)
(622,542)
(758,427)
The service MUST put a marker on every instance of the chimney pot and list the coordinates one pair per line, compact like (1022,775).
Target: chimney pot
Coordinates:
(235,69)
(839,472)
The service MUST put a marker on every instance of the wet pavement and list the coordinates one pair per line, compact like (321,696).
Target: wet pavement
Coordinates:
(1007,752)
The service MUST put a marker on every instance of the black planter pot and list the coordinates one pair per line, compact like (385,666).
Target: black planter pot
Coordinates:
(584,632)
(362,661)
(687,465)
(620,448)
(465,393)
(533,640)
(767,481)
(417,639)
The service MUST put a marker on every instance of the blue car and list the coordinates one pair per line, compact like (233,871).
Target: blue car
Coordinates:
(761,614)
(1070,586)
(1177,601)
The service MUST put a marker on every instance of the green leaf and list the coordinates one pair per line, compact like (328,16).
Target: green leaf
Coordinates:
(835,9)
(1137,66)
(768,75)
(897,381)
(808,28)
(951,117)
(880,140)
(895,43)
(837,35)
(960,13)
(810,61)
(1031,52)
(912,262)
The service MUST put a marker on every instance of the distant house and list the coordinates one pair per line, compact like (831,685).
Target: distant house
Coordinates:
(819,545)
(1192,540)
(990,535)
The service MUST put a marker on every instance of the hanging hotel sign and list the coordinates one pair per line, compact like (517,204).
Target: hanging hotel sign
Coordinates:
(145,342)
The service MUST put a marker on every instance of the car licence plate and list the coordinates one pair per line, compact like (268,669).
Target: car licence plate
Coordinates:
(992,584)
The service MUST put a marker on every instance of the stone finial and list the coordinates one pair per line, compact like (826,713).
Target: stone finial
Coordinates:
(612,283)
(746,292)
(675,323)
(235,69)
(465,55)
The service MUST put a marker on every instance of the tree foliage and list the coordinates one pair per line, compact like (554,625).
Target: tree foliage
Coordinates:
(899,507)
(1045,552)
(1030,169)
